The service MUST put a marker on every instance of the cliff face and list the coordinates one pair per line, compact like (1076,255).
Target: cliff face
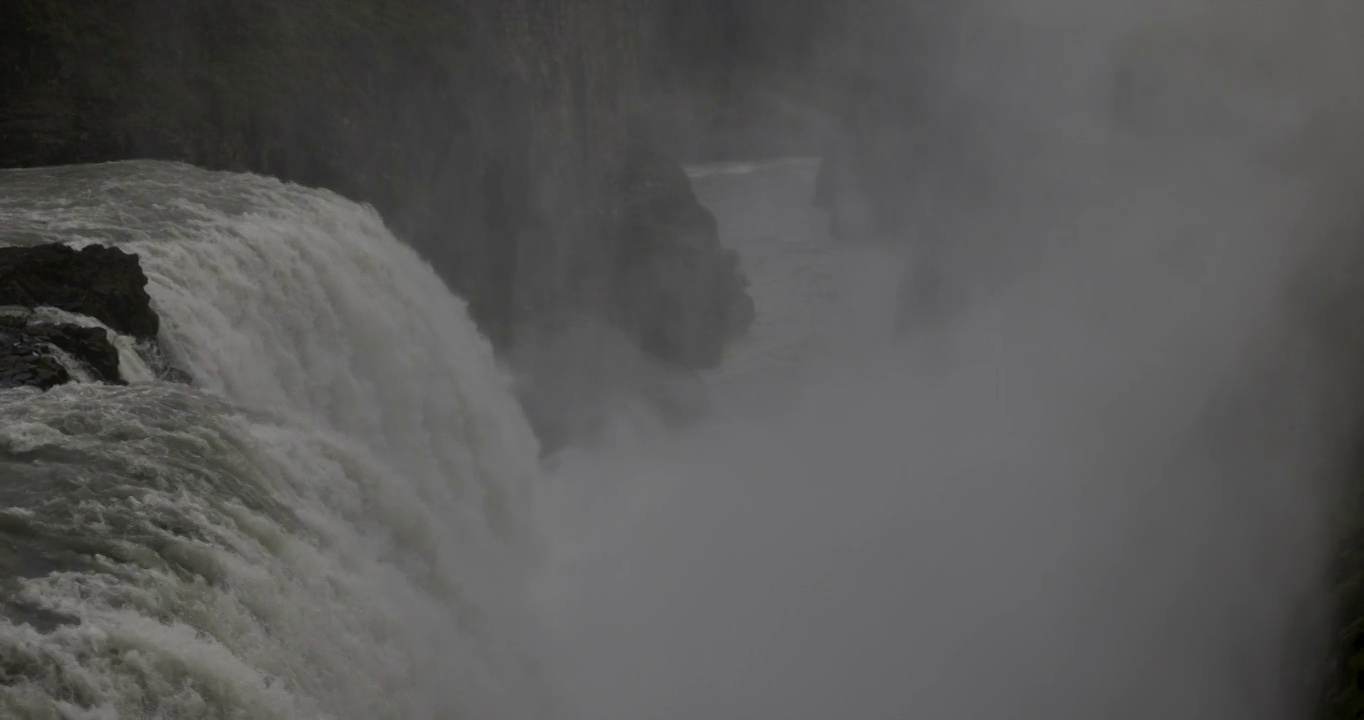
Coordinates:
(561,124)
(735,79)
(897,121)
(492,136)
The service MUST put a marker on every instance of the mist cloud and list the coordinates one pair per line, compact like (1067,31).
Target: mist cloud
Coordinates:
(1102,493)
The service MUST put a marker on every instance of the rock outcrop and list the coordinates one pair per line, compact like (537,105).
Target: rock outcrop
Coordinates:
(100,283)
(681,296)
(31,353)
(490,135)
(26,362)
(104,283)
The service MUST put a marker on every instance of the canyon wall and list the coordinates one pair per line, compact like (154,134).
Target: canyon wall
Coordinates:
(494,137)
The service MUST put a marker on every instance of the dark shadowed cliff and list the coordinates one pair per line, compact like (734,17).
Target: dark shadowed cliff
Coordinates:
(492,136)
(737,79)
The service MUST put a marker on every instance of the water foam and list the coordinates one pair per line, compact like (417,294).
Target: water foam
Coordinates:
(329,526)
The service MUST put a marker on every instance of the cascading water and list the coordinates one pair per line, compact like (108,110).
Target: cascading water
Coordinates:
(328,525)
(1101,494)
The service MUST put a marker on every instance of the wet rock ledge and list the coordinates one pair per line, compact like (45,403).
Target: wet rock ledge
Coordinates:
(43,349)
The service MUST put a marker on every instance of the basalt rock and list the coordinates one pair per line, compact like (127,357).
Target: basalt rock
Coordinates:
(681,295)
(489,135)
(735,80)
(91,347)
(101,282)
(43,354)
(43,349)
(26,362)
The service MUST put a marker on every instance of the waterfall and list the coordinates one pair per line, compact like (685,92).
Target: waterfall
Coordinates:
(329,523)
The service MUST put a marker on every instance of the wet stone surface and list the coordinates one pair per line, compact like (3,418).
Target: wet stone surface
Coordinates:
(29,353)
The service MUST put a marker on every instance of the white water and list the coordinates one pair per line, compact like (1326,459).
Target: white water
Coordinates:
(332,527)
(1095,491)
(859,531)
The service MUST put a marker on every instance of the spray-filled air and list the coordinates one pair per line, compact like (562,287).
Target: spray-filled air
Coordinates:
(1093,478)
(1043,411)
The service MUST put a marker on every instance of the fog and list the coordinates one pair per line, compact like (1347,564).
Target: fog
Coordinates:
(1098,486)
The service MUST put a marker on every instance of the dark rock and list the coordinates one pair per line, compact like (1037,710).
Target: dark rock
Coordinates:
(91,346)
(734,80)
(680,295)
(101,282)
(29,353)
(25,363)
(489,135)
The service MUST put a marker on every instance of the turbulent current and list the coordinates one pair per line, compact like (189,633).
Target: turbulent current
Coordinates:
(329,525)
(1040,508)
(1096,482)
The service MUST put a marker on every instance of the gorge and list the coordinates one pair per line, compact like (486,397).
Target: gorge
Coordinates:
(531,359)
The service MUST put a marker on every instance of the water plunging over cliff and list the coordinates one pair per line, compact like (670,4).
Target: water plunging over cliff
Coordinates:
(331,525)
